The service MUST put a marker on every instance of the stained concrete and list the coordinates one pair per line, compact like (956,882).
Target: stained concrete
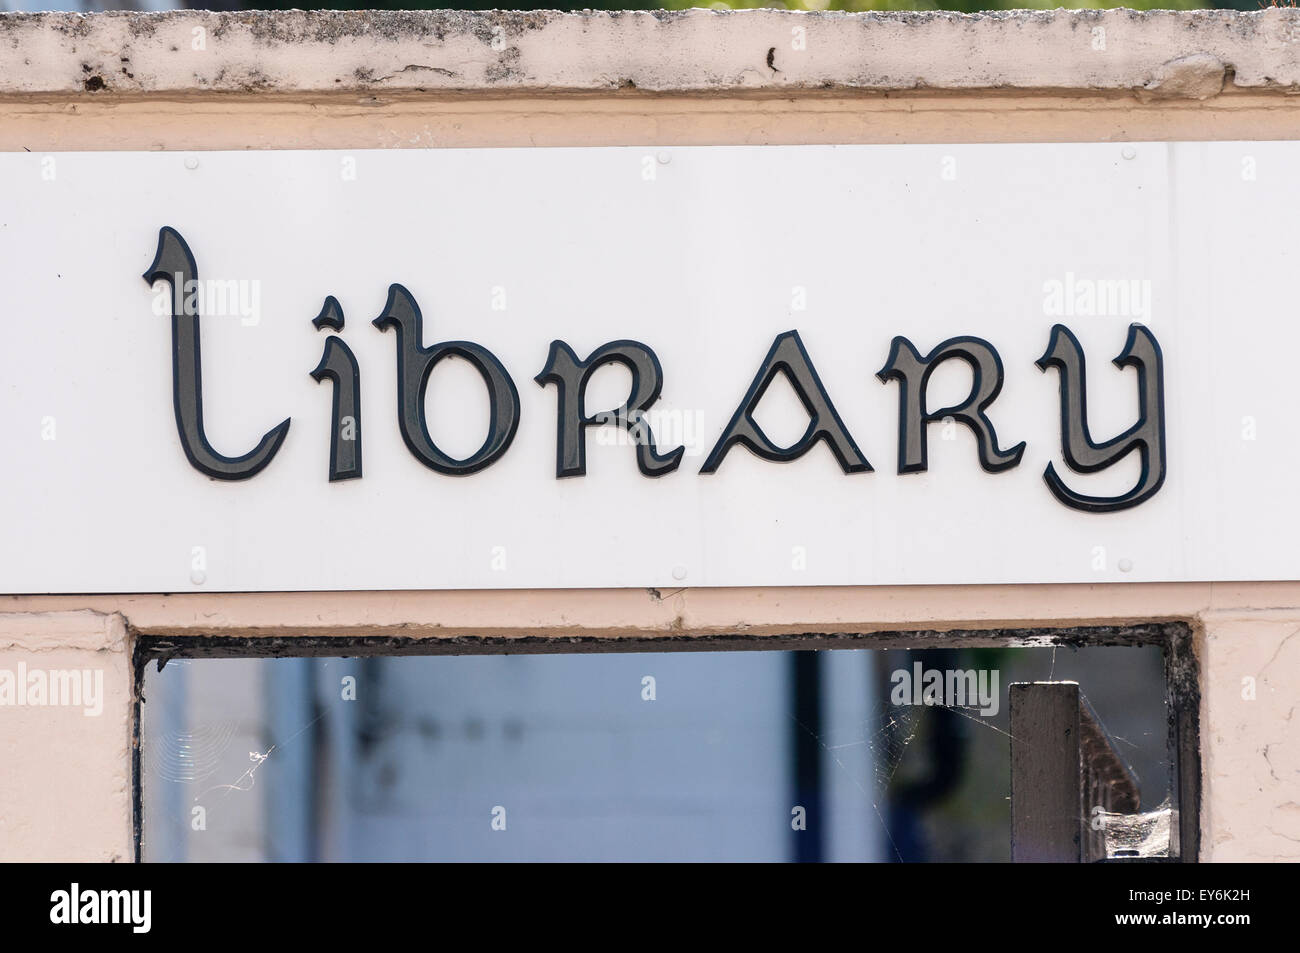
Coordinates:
(1162,54)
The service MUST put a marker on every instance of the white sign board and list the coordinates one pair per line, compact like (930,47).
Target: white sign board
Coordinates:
(701,258)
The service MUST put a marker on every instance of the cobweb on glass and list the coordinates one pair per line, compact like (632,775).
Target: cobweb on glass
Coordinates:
(187,756)
(872,749)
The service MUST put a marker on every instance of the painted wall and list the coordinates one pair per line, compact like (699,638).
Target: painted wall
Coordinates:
(426,80)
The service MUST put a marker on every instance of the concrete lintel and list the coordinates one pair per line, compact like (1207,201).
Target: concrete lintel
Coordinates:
(1152,55)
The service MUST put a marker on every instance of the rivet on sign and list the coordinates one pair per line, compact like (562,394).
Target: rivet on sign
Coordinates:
(1125,565)
(664,158)
(198,577)
(679,572)
(191,163)
(1128,152)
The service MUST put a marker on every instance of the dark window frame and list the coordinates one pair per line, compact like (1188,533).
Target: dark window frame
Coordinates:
(1174,638)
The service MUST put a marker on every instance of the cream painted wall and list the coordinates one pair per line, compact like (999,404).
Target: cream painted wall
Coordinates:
(65,770)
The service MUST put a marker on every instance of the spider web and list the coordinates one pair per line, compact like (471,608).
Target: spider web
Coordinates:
(874,748)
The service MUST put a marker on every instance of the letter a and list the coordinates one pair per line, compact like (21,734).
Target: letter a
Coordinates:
(787,356)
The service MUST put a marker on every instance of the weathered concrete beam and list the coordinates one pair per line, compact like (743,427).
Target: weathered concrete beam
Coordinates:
(1157,54)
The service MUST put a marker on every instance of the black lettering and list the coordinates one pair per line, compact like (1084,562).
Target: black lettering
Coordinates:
(339,364)
(912,371)
(414,365)
(570,377)
(787,356)
(1147,436)
(174,263)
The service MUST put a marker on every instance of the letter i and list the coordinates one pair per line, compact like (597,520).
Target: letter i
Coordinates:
(339,364)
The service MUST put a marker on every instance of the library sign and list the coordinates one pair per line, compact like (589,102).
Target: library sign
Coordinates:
(722,366)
